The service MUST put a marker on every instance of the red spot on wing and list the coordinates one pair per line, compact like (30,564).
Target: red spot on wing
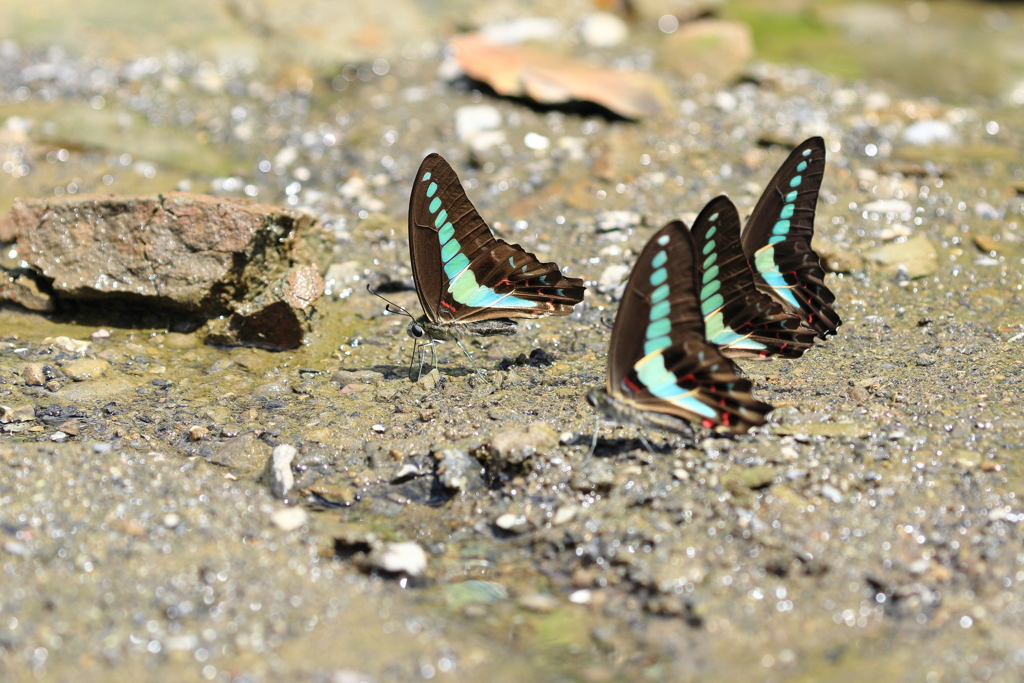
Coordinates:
(448,306)
(631,385)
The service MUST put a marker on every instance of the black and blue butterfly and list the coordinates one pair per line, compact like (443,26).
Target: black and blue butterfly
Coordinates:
(741,320)
(777,240)
(662,371)
(469,282)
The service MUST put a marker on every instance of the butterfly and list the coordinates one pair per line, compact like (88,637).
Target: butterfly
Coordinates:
(777,240)
(662,372)
(469,282)
(740,319)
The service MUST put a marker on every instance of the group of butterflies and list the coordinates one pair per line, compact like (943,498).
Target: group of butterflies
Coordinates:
(696,298)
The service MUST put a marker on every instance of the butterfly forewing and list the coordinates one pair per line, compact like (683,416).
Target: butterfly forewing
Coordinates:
(462,272)
(777,239)
(741,320)
(658,359)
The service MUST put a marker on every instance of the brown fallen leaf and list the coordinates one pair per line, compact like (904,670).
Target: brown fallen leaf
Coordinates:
(547,78)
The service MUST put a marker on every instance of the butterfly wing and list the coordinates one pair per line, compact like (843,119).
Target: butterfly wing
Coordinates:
(741,320)
(777,239)
(658,359)
(462,272)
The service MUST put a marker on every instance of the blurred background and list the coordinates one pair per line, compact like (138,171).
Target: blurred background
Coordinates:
(126,97)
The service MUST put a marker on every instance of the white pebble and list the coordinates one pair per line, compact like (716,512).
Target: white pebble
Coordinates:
(924,133)
(289,519)
(536,141)
(564,515)
(474,121)
(406,557)
(612,277)
(831,493)
(603,29)
(281,478)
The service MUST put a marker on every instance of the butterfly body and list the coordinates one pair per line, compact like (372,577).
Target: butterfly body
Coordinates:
(455,331)
(777,240)
(469,282)
(622,412)
(740,319)
(662,372)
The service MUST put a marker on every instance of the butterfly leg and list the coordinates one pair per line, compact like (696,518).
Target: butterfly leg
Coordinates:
(412,358)
(433,354)
(646,443)
(593,441)
(476,368)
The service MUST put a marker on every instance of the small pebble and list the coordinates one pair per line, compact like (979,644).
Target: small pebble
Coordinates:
(511,522)
(380,429)
(289,519)
(925,133)
(58,436)
(33,374)
(831,493)
(603,29)
(281,478)
(100,334)
(171,520)
(612,278)
(198,433)
(617,220)
(406,558)
(564,515)
(542,603)
(347,676)
(583,596)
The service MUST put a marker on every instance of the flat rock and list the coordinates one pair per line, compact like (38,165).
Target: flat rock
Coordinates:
(513,446)
(925,133)
(95,391)
(85,368)
(717,50)
(916,257)
(245,454)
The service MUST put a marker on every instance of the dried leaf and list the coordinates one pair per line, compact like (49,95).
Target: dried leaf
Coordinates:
(521,71)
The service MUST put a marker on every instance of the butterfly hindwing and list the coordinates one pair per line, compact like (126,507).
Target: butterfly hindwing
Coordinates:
(658,359)
(462,272)
(777,239)
(741,320)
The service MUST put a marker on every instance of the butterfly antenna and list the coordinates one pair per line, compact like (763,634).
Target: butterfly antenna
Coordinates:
(391,307)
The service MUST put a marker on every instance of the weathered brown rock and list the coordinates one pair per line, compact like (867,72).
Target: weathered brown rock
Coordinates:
(245,454)
(716,49)
(513,446)
(194,255)
(916,257)
(23,289)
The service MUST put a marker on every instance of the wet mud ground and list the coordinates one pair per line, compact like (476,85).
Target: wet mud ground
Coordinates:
(872,530)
